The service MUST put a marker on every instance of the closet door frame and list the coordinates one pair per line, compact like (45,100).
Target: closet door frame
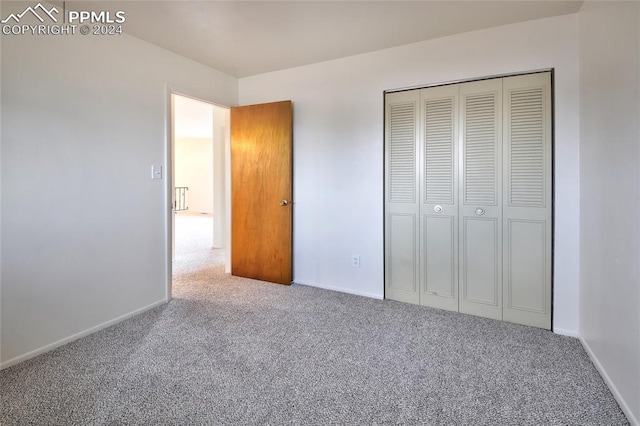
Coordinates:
(550,232)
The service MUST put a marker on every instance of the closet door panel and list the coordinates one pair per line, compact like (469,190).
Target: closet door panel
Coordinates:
(439,266)
(402,264)
(525,247)
(439,197)
(401,197)
(527,200)
(480,267)
(480,170)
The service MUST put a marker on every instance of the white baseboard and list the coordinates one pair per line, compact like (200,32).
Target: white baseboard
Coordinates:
(612,387)
(69,339)
(341,290)
(565,332)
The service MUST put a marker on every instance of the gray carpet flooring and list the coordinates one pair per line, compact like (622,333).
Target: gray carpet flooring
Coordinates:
(236,351)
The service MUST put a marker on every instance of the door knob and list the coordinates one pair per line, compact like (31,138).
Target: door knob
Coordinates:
(479,211)
(283,203)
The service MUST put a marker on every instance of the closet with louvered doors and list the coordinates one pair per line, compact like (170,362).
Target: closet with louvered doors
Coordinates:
(468,198)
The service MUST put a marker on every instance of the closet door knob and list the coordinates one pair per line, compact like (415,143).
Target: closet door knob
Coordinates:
(479,211)
(437,209)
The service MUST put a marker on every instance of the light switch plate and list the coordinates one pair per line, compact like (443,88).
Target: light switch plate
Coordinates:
(156,172)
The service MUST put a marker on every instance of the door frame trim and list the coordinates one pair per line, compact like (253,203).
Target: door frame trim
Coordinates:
(472,79)
(169,146)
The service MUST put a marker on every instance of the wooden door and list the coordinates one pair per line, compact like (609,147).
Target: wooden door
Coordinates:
(261,191)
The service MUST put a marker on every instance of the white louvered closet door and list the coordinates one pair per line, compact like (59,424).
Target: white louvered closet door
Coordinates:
(527,200)
(402,268)
(468,207)
(439,197)
(480,174)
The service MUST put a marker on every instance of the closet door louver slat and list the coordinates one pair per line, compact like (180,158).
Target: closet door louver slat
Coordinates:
(527,159)
(439,152)
(480,149)
(402,140)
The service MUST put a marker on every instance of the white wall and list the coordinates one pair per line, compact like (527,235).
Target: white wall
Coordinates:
(338,146)
(83,224)
(609,40)
(194,169)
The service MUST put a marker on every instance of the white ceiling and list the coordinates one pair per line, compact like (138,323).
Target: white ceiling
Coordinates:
(243,38)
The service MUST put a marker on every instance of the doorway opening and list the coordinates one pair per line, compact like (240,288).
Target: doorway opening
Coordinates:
(198,187)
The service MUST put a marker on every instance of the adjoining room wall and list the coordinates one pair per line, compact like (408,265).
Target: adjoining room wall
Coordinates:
(338,146)
(609,50)
(194,169)
(83,224)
